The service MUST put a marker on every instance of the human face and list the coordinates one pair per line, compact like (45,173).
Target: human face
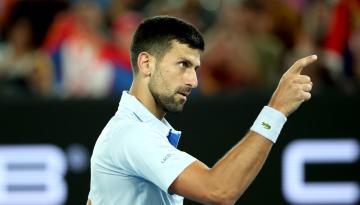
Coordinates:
(174,77)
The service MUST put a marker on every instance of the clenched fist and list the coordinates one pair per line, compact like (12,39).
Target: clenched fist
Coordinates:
(293,88)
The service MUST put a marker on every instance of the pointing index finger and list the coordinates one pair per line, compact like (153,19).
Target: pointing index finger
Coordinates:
(299,65)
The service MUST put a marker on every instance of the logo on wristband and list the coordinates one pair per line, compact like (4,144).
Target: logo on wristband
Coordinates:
(266,125)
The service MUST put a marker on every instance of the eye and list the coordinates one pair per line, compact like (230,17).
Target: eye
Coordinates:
(184,64)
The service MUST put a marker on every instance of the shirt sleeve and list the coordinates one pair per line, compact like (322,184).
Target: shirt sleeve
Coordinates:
(147,154)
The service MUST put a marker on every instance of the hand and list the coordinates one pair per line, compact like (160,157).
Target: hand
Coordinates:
(293,88)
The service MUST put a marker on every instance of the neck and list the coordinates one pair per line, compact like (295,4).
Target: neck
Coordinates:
(142,93)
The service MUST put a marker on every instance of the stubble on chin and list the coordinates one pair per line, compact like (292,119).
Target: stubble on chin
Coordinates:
(170,104)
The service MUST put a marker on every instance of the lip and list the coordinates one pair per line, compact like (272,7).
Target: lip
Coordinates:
(183,95)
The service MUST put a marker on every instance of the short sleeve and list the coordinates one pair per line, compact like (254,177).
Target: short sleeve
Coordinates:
(147,154)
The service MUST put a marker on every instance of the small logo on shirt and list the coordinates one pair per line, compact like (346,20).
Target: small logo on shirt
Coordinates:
(266,125)
(166,158)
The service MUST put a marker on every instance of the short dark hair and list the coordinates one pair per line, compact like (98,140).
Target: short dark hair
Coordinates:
(154,35)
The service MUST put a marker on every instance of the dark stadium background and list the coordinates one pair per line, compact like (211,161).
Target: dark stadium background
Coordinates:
(210,127)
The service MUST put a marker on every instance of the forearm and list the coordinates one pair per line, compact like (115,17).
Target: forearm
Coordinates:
(237,169)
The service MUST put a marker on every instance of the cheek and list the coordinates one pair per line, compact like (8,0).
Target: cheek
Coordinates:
(163,76)
(171,79)
(160,82)
(167,78)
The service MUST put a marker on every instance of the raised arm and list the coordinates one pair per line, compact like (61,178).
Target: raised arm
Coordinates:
(225,182)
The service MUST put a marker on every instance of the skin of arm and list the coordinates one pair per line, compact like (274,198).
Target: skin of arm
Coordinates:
(226,181)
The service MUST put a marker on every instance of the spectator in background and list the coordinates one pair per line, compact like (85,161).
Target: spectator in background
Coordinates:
(118,49)
(89,56)
(78,45)
(342,45)
(24,70)
(120,7)
(242,51)
(123,29)
(5,10)
(354,47)
(310,35)
(192,11)
(266,35)
(92,59)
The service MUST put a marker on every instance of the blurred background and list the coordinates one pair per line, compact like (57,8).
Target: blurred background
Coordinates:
(65,63)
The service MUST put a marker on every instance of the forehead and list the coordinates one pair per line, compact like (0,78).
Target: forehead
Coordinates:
(183,51)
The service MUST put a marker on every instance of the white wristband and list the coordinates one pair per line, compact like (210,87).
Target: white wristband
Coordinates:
(269,123)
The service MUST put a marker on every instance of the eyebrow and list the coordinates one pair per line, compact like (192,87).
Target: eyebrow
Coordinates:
(189,61)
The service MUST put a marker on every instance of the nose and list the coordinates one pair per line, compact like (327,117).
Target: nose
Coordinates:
(191,78)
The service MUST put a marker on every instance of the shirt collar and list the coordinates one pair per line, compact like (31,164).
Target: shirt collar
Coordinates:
(129,103)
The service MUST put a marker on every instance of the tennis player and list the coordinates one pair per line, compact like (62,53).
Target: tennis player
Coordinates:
(135,160)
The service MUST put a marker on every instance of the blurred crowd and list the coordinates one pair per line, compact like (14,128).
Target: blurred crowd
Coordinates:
(80,48)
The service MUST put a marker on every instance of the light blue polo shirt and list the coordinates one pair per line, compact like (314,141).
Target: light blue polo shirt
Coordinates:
(133,162)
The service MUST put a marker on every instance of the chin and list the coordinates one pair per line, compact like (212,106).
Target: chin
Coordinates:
(174,109)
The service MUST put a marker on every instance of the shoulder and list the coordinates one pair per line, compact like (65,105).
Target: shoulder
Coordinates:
(126,131)
(122,138)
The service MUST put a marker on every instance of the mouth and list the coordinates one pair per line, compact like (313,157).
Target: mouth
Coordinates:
(184,94)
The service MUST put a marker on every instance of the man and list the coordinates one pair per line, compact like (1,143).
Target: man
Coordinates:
(135,160)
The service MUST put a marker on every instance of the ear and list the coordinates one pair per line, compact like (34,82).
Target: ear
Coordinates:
(145,63)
